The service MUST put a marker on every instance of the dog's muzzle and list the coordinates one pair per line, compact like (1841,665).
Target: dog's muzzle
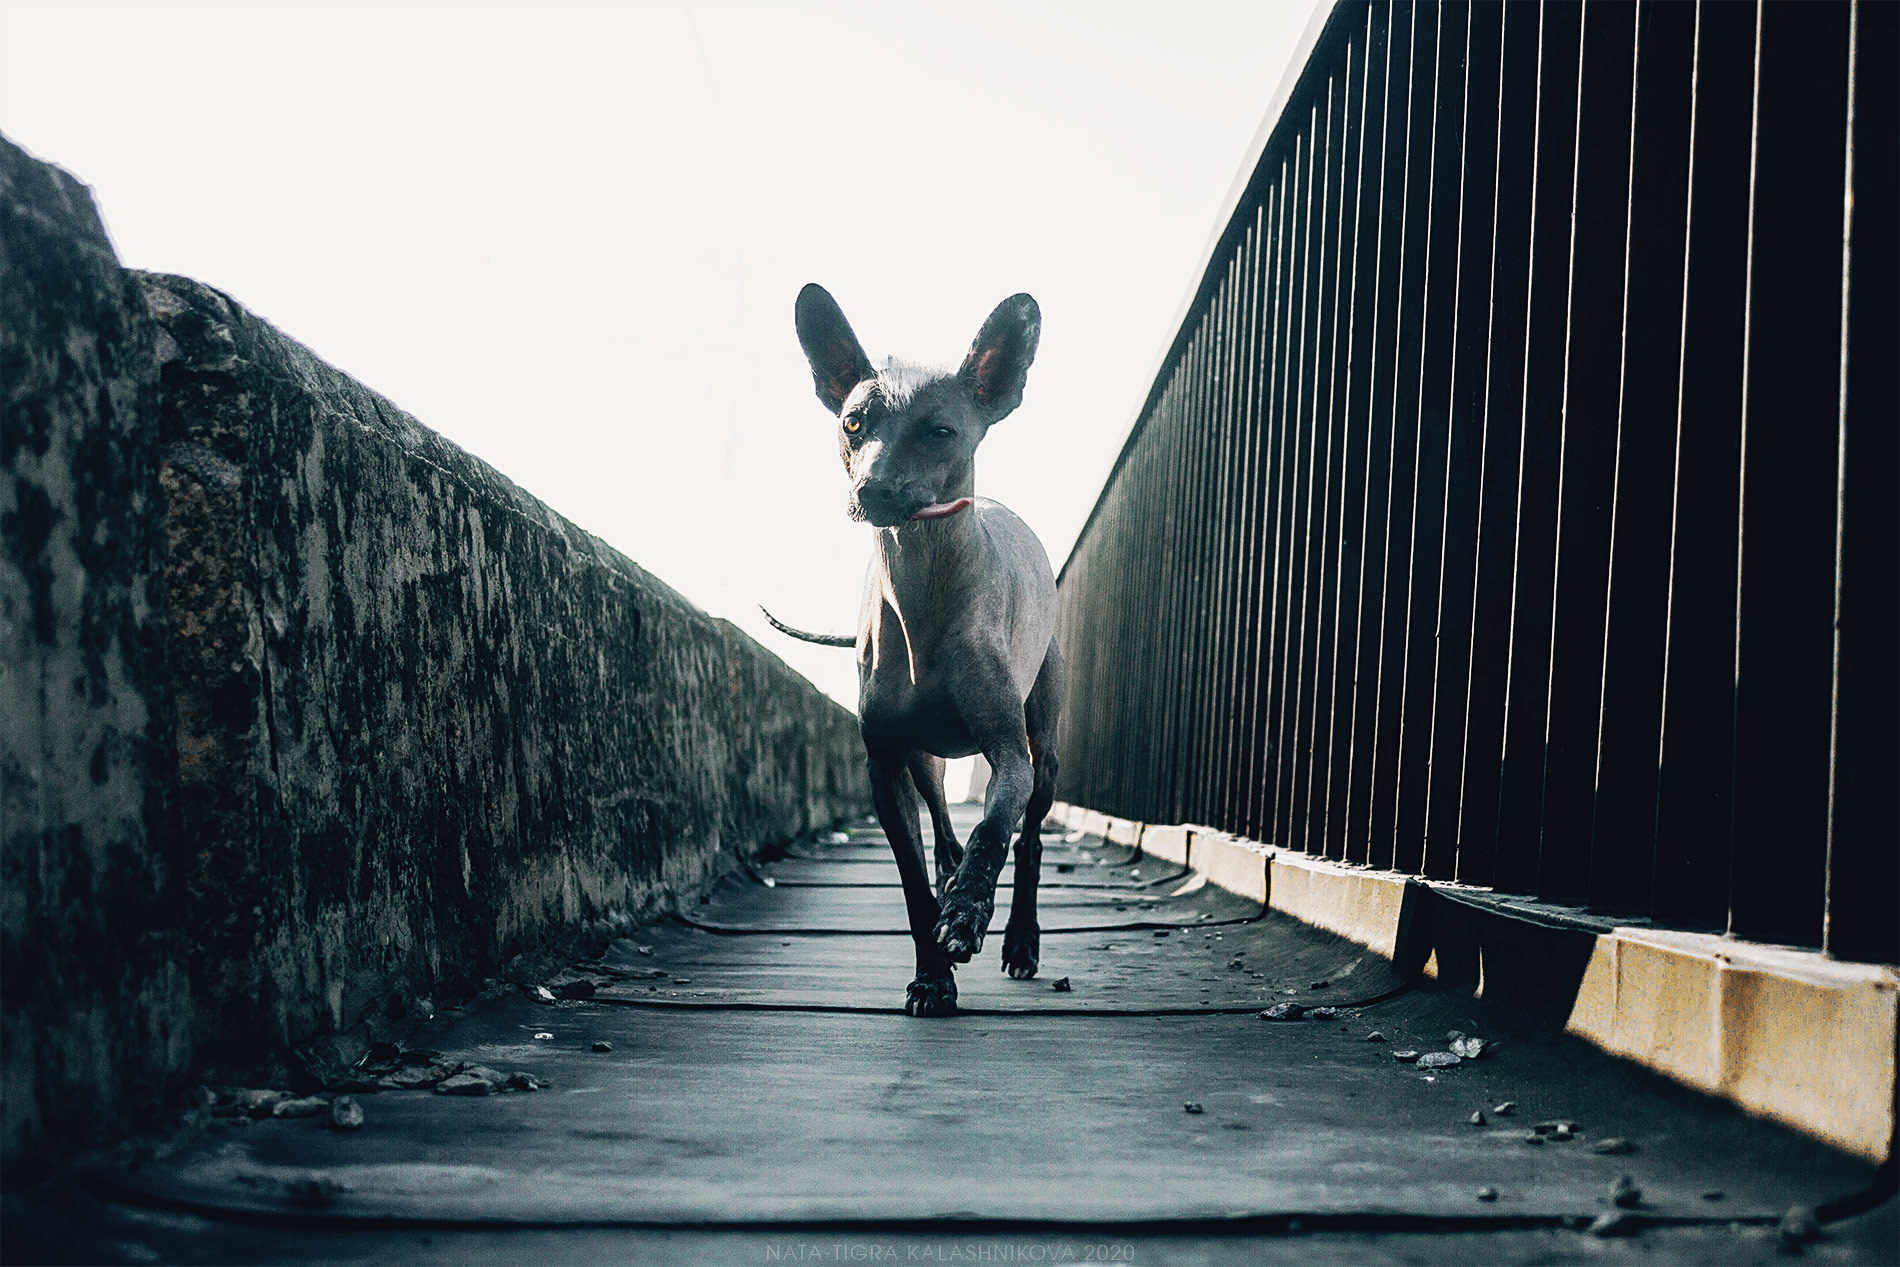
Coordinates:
(886,506)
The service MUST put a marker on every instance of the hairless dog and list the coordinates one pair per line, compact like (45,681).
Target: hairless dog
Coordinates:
(956,636)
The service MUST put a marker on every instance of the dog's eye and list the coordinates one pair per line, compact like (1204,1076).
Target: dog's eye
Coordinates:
(853,425)
(943,433)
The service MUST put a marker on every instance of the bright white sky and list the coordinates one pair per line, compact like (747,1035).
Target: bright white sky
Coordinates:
(568,235)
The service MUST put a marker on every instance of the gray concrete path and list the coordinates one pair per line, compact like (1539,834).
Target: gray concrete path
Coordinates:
(764,1099)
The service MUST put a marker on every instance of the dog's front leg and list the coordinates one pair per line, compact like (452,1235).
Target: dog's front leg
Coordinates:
(933,992)
(995,718)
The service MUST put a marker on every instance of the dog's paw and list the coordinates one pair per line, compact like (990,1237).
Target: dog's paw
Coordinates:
(1021,949)
(961,927)
(931,996)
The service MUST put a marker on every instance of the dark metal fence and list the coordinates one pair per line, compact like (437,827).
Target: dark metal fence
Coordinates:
(1517,501)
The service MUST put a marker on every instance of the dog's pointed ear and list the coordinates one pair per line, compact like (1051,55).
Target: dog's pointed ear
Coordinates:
(998,363)
(838,363)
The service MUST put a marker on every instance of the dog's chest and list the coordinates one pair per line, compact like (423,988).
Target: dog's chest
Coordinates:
(895,712)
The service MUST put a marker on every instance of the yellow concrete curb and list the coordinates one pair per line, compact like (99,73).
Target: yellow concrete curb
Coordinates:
(1785,1033)
(1789,1034)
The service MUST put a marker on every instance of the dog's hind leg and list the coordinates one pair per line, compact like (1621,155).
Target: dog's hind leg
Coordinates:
(926,771)
(933,992)
(1022,937)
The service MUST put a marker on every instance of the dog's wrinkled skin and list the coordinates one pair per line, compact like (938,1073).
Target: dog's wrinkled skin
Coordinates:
(956,651)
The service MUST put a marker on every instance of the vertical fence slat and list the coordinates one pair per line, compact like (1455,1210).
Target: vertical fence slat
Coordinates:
(1296,430)
(1247,511)
(1466,397)
(1692,792)
(1319,744)
(1390,219)
(1318,466)
(1232,534)
(1267,606)
(1785,540)
(1347,555)
(1863,862)
(1622,837)
(1521,762)
(1401,431)
(1488,663)
(1286,363)
(1260,349)
(1429,423)
(1587,445)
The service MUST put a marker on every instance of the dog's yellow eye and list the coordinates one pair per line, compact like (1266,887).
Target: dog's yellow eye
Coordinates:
(853,425)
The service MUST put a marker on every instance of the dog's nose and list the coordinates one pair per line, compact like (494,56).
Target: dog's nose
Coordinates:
(883,501)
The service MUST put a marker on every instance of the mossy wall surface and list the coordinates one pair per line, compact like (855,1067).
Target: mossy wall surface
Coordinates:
(375,719)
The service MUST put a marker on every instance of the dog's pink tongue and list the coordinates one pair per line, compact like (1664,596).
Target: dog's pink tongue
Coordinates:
(943,510)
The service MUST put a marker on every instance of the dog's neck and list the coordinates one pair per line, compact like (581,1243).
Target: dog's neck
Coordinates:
(921,568)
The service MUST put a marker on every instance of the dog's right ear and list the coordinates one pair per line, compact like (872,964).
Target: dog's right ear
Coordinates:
(838,363)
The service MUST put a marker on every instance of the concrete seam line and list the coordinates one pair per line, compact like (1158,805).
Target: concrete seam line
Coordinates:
(1258,1223)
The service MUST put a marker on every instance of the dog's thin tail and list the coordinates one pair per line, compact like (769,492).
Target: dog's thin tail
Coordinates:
(823,640)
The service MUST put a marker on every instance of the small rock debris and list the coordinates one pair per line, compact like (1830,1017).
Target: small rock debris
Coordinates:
(1476,1118)
(1193,1106)
(1283,1012)
(1624,1194)
(473,1080)
(1798,1227)
(1375,1037)
(1614,1223)
(1614,1146)
(1319,985)
(1405,1057)
(1506,1109)
(307,1106)
(1438,1060)
(603,1045)
(346,1114)
(1487,1193)
(1061,985)
(417,1077)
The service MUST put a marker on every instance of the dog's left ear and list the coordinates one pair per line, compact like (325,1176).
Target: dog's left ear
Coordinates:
(998,363)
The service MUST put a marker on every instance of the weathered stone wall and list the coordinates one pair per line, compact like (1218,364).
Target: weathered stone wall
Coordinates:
(94,1006)
(423,718)
(418,722)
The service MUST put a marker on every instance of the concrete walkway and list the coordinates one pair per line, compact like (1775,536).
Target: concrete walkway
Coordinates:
(764,1099)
